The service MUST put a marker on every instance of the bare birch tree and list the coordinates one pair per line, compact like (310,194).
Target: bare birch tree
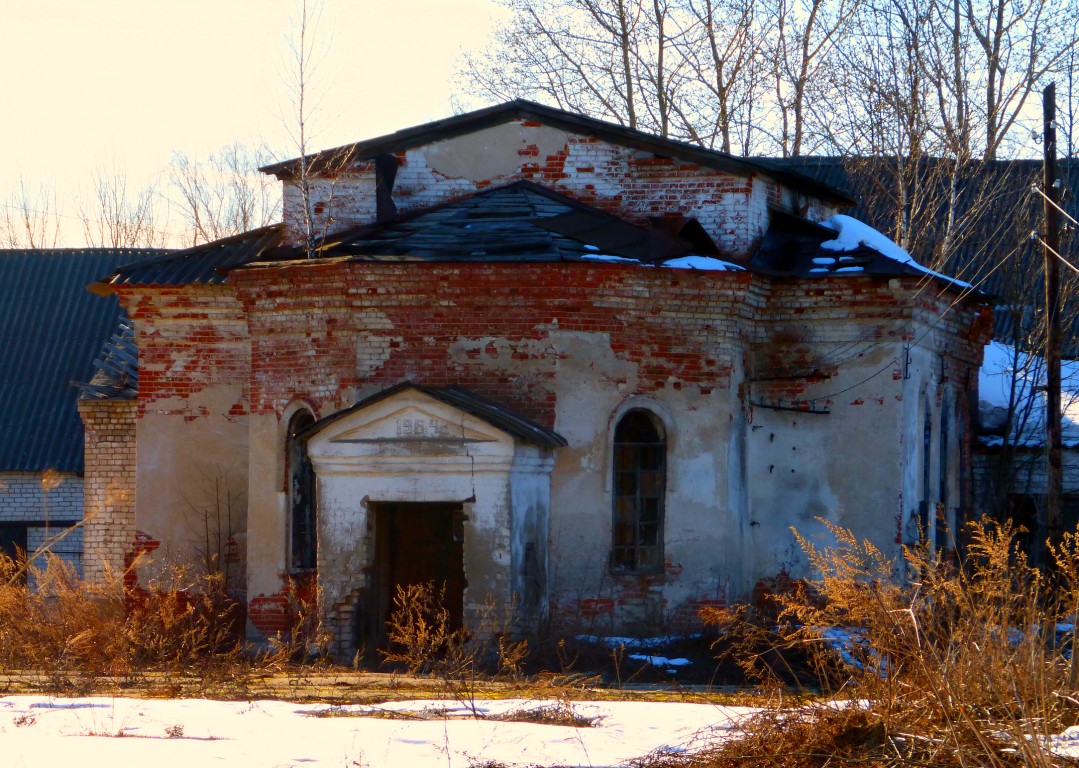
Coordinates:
(802,39)
(723,49)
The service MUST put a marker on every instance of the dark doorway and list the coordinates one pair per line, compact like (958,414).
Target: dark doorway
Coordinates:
(416,543)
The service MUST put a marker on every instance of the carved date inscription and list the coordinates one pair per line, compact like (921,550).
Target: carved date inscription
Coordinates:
(422,428)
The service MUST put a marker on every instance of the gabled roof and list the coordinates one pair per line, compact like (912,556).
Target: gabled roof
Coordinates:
(496,415)
(51,329)
(521,221)
(520,109)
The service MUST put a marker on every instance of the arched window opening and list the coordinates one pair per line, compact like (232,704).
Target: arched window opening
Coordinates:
(927,447)
(640,474)
(303,523)
(944,529)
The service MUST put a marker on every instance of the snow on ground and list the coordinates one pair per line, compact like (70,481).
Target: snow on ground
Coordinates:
(999,367)
(42,732)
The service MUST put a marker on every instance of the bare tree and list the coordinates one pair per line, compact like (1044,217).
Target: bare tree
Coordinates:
(224,194)
(802,40)
(305,59)
(587,56)
(30,219)
(723,49)
(1018,43)
(117,218)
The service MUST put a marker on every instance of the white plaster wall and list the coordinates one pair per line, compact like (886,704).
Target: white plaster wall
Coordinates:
(504,487)
(703,517)
(193,472)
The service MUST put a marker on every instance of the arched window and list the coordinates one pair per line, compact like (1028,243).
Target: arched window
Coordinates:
(640,472)
(303,524)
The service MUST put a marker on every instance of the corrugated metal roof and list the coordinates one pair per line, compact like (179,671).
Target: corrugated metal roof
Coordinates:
(521,109)
(51,329)
(494,414)
(202,264)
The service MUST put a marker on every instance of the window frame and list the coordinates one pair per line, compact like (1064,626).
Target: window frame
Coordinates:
(302,509)
(638,481)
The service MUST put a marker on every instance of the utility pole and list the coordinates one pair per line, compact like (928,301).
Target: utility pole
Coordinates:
(1053,442)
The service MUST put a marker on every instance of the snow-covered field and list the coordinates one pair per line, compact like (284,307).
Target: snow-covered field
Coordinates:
(41,732)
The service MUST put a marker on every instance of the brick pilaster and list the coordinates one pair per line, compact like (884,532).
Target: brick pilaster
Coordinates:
(108,485)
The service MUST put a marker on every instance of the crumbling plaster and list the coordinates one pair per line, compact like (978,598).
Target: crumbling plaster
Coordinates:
(503,484)
(637,184)
(719,358)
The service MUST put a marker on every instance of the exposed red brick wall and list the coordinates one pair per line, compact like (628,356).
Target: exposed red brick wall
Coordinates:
(190,338)
(324,331)
(294,606)
(318,330)
(631,183)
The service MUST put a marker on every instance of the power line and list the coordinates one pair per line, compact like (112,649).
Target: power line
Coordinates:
(1034,188)
(1051,250)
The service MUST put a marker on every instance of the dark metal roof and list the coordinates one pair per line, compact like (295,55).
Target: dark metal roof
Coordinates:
(496,415)
(200,264)
(522,221)
(520,109)
(117,376)
(51,329)
(1006,265)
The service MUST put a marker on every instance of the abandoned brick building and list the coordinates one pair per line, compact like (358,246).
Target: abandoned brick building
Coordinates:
(549,362)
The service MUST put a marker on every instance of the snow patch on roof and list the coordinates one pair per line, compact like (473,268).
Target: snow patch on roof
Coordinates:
(608,258)
(705,263)
(852,234)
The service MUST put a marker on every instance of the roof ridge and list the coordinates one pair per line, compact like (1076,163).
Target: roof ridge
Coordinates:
(498,114)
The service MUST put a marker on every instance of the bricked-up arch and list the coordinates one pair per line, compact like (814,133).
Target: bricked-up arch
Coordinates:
(640,480)
(303,520)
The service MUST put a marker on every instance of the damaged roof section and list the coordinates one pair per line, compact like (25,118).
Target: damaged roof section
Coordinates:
(117,367)
(526,222)
(522,221)
(496,415)
(796,247)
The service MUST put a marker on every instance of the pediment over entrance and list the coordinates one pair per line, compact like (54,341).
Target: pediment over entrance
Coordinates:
(414,421)
(408,413)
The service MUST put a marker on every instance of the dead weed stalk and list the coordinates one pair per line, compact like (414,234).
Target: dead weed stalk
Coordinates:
(931,662)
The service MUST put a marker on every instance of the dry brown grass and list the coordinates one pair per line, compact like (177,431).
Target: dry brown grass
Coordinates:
(947,665)
(74,636)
